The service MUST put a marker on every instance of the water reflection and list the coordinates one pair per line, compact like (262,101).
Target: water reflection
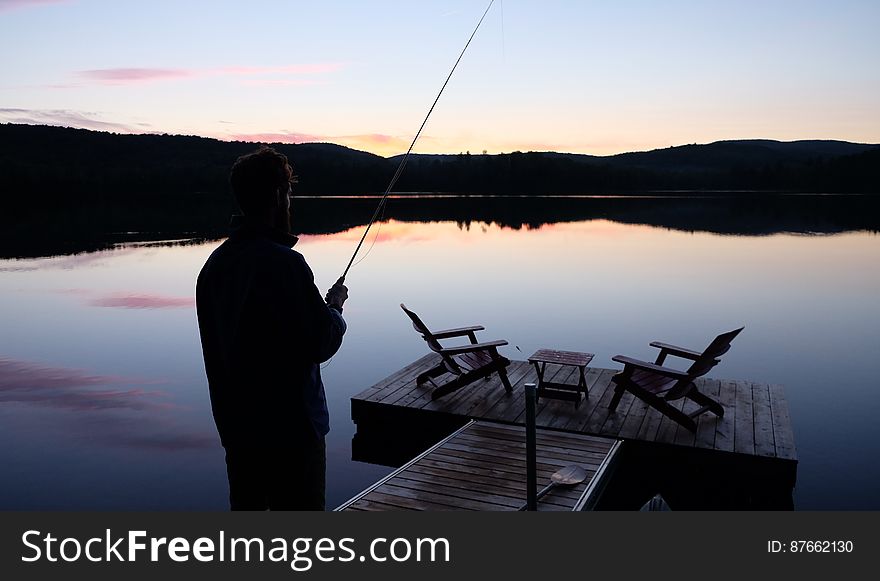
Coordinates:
(102,386)
(79,229)
(72,389)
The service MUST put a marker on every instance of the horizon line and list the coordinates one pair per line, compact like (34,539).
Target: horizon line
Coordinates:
(466,152)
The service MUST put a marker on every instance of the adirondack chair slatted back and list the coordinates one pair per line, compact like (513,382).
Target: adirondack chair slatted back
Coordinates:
(710,357)
(422,329)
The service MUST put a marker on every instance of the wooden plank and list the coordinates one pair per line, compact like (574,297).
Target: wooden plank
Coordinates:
(542,433)
(650,425)
(764,443)
(508,409)
(420,396)
(683,436)
(452,455)
(404,381)
(598,415)
(708,422)
(614,421)
(552,373)
(482,397)
(561,440)
(544,452)
(375,506)
(512,497)
(475,389)
(668,426)
(452,464)
(443,404)
(547,442)
(396,376)
(597,381)
(409,503)
(491,386)
(557,409)
(782,430)
(435,496)
(635,417)
(562,420)
(563,357)
(744,436)
(525,373)
(498,454)
(725,428)
(517,484)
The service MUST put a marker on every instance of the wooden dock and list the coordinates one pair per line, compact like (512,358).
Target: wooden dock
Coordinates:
(482,466)
(756,421)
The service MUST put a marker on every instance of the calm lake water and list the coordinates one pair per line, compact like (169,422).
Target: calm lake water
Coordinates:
(104,403)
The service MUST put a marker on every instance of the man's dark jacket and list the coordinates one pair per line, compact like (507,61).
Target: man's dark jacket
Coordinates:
(265,329)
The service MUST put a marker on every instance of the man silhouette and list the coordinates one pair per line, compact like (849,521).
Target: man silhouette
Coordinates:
(265,330)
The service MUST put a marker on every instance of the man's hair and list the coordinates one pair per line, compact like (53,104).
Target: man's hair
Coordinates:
(256,177)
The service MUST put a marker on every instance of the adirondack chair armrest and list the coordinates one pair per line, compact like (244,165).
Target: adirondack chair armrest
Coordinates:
(493,345)
(639,364)
(459,332)
(677,351)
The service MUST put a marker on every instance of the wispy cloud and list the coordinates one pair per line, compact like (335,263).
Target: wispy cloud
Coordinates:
(63,118)
(13,4)
(71,389)
(117,76)
(128,75)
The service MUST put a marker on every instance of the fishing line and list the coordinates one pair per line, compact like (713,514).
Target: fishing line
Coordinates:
(403,161)
(503,47)
(375,238)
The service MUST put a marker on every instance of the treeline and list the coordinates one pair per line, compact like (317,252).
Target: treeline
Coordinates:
(44,165)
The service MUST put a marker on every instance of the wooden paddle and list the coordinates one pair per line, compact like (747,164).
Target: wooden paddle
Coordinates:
(568,476)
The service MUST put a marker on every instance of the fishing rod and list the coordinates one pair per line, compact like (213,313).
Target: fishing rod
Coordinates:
(411,145)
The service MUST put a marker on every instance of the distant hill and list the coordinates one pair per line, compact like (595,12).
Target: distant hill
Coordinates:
(725,155)
(42,164)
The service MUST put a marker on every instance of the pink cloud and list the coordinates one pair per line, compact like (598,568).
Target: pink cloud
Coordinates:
(120,76)
(142,301)
(115,76)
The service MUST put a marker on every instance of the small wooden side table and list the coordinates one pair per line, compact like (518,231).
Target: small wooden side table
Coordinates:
(557,390)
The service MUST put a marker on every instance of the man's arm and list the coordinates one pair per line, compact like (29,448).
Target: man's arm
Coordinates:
(322,324)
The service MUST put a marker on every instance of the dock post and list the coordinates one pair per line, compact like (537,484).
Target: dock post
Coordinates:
(531,459)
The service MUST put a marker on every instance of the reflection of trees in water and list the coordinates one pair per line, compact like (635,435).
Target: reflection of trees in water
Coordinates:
(737,215)
(85,227)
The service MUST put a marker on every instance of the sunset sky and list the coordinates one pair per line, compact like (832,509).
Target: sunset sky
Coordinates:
(594,77)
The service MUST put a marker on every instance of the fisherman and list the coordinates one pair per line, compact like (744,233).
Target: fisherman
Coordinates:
(265,330)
